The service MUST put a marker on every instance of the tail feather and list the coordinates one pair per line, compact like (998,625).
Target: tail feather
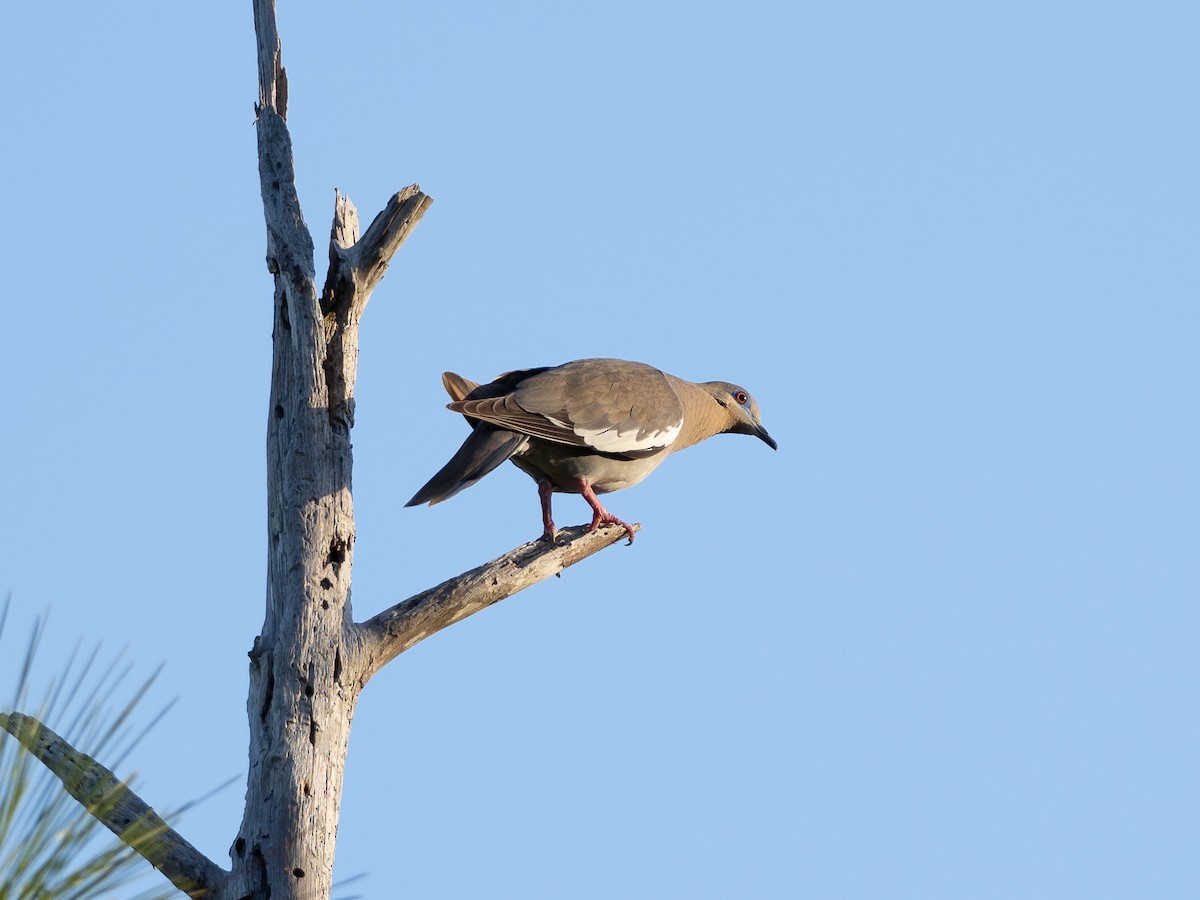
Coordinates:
(484,450)
(456,386)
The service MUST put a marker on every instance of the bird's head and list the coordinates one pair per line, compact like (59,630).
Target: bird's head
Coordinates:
(741,410)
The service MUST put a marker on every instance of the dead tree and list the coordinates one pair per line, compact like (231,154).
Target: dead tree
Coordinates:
(312,659)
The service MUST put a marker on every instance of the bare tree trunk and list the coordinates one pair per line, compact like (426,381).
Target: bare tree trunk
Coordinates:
(311,660)
(299,706)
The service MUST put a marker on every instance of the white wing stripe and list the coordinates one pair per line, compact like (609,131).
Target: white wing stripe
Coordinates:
(611,440)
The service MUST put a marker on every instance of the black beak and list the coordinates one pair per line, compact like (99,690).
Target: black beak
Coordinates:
(761,434)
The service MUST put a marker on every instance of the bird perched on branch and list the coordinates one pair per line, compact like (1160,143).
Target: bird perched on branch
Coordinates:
(587,427)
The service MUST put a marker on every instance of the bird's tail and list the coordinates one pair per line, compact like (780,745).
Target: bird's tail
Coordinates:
(486,448)
(456,386)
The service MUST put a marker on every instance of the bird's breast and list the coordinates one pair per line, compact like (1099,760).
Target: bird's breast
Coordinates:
(563,466)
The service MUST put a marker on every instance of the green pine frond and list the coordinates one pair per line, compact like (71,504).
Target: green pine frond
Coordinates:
(51,848)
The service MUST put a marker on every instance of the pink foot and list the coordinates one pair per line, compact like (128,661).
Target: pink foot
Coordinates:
(600,515)
(604,517)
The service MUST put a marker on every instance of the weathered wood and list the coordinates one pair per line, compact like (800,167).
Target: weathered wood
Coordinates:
(300,704)
(118,808)
(391,228)
(272,79)
(311,660)
(387,635)
(356,266)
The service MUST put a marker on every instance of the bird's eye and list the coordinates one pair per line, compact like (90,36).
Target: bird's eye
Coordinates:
(741,397)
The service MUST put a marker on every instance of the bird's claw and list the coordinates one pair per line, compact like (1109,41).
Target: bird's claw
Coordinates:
(608,518)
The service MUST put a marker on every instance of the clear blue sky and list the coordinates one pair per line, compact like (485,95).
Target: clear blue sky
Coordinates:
(941,645)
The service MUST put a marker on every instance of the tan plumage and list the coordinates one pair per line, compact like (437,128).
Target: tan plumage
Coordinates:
(587,427)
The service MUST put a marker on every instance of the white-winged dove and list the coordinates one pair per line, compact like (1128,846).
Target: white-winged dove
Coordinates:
(587,427)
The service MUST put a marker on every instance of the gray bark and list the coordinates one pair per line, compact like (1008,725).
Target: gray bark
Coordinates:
(311,660)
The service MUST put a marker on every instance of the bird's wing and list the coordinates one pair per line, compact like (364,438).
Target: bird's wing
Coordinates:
(609,405)
(506,413)
(468,394)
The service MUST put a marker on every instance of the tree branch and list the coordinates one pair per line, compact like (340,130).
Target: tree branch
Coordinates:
(118,808)
(372,255)
(387,635)
(272,78)
(302,694)
(356,266)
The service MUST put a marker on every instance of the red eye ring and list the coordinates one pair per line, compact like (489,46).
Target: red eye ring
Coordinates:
(741,397)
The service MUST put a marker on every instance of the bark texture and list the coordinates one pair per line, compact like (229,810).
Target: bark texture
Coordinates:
(311,660)
(387,635)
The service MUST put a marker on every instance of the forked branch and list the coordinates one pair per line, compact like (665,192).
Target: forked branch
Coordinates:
(311,661)
(357,265)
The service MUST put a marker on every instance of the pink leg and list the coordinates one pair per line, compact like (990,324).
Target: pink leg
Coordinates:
(600,515)
(545,489)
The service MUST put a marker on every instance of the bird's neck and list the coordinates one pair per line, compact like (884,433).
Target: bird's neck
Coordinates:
(702,415)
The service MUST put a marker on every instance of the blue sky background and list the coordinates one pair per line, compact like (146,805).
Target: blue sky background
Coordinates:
(941,645)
